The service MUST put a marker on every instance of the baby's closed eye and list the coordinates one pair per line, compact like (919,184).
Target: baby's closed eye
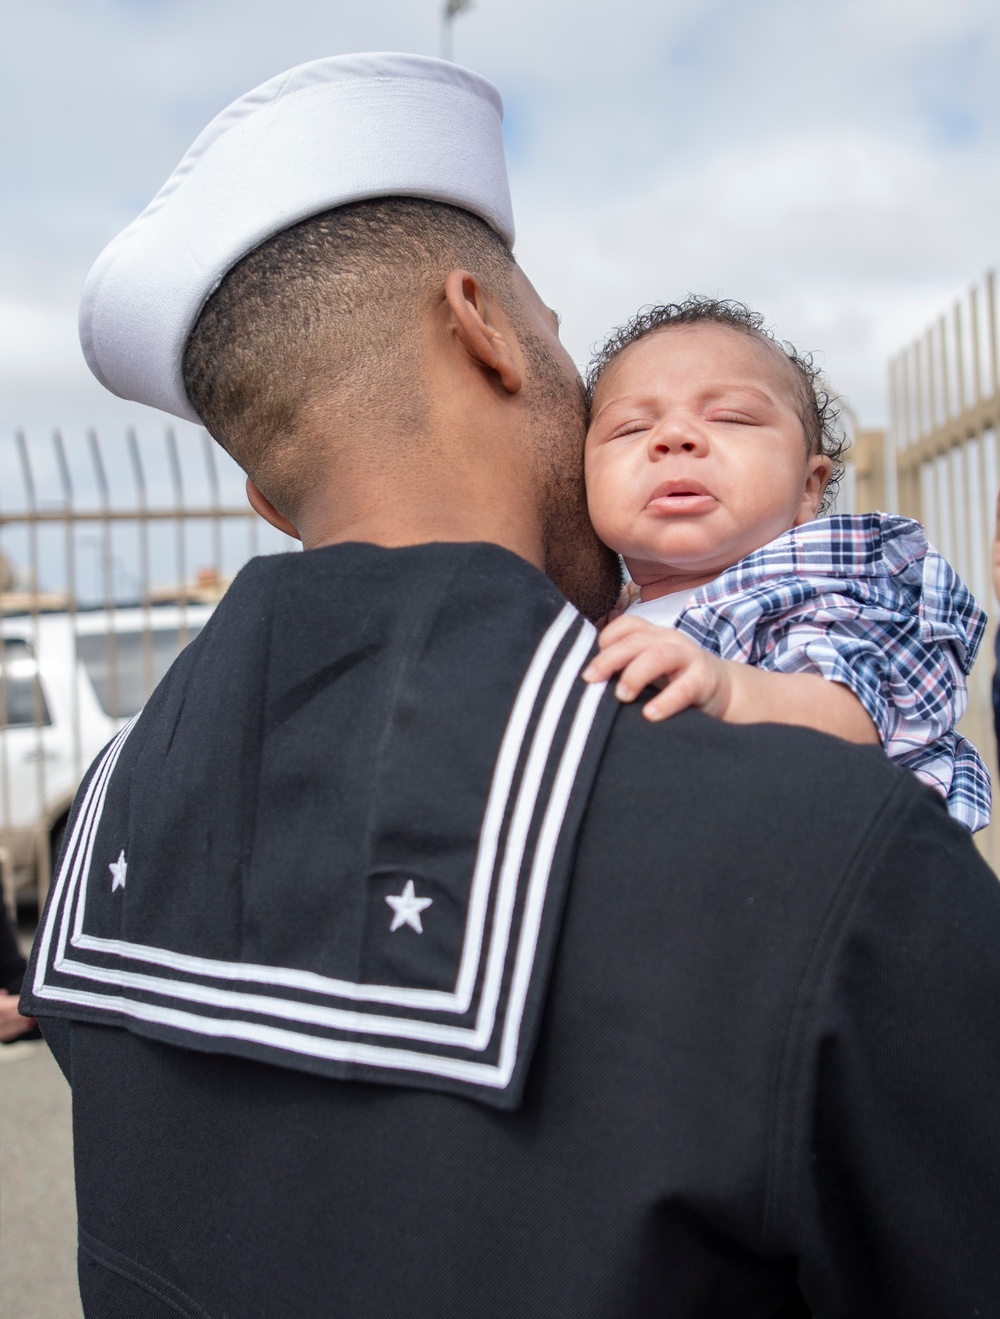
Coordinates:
(634,427)
(730,415)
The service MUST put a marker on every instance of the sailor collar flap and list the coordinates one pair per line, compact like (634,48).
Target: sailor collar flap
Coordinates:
(339,836)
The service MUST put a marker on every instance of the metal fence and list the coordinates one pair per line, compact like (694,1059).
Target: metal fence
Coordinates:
(115,553)
(941,467)
(112,556)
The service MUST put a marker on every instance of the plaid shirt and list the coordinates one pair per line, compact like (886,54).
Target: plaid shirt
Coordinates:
(864,601)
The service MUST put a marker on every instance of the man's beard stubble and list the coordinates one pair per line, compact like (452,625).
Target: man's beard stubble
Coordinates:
(584,569)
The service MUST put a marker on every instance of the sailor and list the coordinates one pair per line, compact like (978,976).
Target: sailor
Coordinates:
(395,970)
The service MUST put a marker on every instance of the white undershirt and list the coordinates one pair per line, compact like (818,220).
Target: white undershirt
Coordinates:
(664,610)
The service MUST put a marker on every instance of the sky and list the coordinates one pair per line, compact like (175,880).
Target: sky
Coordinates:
(833,165)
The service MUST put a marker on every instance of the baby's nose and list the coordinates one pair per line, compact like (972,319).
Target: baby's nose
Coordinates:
(677,437)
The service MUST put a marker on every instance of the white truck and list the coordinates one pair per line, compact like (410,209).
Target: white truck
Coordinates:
(67,683)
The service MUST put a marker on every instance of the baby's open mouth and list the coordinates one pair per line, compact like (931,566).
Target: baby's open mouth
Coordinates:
(680,496)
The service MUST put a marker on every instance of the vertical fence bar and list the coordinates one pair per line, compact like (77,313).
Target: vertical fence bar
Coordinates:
(966,525)
(985,521)
(42,859)
(960,521)
(208,450)
(918,391)
(987,744)
(933,506)
(931,374)
(945,377)
(910,448)
(990,465)
(926,497)
(182,580)
(904,367)
(139,481)
(942,504)
(977,366)
(914,447)
(904,454)
(66,485)
(891,448)
(76,726)
(107,572)
(991,321)
(896,495)
(893,404)
(955,465)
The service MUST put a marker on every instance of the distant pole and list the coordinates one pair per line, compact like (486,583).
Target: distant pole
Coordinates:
(452,8)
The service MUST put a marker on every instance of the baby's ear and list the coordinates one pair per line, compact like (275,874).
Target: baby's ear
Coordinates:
(817,476)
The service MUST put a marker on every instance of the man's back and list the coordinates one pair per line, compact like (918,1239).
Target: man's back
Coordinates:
(765,1063)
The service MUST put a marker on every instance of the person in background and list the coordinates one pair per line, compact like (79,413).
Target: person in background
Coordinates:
(13,1026)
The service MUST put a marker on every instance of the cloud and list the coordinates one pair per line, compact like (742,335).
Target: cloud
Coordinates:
(35,341)
(824,234)
(833,165)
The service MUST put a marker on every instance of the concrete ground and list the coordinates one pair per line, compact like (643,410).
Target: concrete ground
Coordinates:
(37,1209)
(37,1204)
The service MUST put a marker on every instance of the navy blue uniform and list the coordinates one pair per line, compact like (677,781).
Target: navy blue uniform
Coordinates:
(373,1006)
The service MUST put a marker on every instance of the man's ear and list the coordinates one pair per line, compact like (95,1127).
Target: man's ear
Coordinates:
(482,340)
(817,476)
(262,505)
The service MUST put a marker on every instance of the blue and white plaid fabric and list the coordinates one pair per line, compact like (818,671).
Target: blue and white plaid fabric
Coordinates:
(866,601)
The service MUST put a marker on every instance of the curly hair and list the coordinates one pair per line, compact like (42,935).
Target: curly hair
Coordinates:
(818,408)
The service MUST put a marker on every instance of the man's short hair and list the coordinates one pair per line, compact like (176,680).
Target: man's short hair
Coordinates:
(817,407)
(325,318)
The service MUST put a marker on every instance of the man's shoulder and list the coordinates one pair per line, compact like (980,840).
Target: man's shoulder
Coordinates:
(718,862)
(753,757)
(761,792)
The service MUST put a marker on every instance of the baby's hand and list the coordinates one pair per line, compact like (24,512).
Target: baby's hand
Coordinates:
(646,655)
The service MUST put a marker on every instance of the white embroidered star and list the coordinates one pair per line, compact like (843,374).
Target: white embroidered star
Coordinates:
(407,908)
(118,869)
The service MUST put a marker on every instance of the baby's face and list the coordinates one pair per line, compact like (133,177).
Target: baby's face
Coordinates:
(696,455)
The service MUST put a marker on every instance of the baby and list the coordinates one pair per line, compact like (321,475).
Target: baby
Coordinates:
(711,451)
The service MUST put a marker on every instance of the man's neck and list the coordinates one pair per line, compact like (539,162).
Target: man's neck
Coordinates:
(422,507)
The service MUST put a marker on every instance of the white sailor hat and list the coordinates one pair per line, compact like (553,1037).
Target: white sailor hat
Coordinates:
(324,134)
